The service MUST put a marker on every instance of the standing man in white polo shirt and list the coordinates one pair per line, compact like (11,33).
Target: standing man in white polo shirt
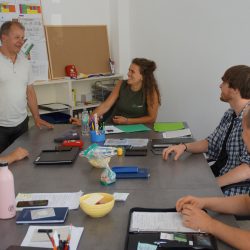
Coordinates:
(15,86)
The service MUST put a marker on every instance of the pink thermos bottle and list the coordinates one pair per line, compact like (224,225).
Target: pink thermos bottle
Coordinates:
(7,192)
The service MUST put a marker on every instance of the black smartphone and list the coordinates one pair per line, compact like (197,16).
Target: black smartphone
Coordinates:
(35,203)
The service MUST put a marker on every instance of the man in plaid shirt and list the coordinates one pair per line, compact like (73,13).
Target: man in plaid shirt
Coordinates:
(225,145)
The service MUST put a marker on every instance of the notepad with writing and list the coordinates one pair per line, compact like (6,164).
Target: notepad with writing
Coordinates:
(44,215)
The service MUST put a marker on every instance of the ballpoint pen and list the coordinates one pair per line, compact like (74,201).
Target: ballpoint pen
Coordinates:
(66,247)
(52,241)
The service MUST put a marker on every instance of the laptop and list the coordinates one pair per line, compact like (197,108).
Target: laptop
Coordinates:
(57,156)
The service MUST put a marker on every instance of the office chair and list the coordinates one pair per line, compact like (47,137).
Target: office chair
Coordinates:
(238,184)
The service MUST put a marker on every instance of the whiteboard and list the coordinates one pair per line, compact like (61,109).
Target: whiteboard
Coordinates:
(29,13)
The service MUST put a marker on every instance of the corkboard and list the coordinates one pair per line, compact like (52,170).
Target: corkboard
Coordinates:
(84,46)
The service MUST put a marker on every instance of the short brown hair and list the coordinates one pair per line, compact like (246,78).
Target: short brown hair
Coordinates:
(6,26)
(238,77)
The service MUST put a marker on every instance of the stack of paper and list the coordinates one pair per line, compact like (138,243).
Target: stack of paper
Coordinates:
(177,133)
(157,222)
(35,239)
(70,200)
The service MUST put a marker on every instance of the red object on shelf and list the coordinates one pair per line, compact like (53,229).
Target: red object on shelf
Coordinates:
(71,71)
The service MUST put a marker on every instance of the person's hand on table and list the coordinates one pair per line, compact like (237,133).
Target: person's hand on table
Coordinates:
(177,149)
(120,119)
(75,121)
(19,154)
(41,123)
(194,201)
(195,218)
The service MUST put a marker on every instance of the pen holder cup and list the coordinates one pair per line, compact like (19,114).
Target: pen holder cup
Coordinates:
(97,136)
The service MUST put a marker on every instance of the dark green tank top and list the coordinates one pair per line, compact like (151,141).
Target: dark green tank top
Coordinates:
(130,104)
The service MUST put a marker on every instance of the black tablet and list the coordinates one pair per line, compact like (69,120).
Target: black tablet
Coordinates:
(52,157)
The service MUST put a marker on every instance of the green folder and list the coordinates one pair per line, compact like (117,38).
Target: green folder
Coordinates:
(133,128)
(168,126)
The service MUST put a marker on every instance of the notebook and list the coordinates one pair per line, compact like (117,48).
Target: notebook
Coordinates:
(57,156)
(42,215)
(163,230)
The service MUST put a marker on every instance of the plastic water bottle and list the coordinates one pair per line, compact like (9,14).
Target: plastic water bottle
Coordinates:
(85,122)
(7,192)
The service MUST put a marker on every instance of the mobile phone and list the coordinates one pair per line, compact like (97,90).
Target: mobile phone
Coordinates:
(34,203)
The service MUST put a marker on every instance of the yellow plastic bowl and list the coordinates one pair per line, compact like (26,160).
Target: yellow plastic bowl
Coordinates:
(97,210)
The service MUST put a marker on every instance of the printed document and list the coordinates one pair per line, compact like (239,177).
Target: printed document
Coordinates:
(157,222)
(70,200)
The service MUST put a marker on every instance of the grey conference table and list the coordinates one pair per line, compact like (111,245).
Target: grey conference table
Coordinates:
(169,181)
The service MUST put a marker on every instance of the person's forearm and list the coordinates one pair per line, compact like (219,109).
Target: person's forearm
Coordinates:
(235,237)
(32,102)
(8,158)
(197,147)
(239,204)
(100,110)
(238,174)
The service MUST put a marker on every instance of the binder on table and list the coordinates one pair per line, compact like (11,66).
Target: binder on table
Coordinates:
(58,216)
(160,234)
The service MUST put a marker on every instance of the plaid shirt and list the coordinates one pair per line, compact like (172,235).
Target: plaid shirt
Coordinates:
(235,147)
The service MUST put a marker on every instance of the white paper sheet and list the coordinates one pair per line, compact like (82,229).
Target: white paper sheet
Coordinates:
(76,233)
(70,200)
(177,133)
(157,222)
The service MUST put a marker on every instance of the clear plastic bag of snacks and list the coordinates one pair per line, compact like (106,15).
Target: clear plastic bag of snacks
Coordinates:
(108,176)
(99,156)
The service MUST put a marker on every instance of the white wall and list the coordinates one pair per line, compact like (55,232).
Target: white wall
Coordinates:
(65,12)
(193,42)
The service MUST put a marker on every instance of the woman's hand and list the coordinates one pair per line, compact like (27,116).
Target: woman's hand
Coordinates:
(120,119)
(75,121)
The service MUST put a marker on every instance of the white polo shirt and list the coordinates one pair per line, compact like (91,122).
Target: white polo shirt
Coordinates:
(14,79)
